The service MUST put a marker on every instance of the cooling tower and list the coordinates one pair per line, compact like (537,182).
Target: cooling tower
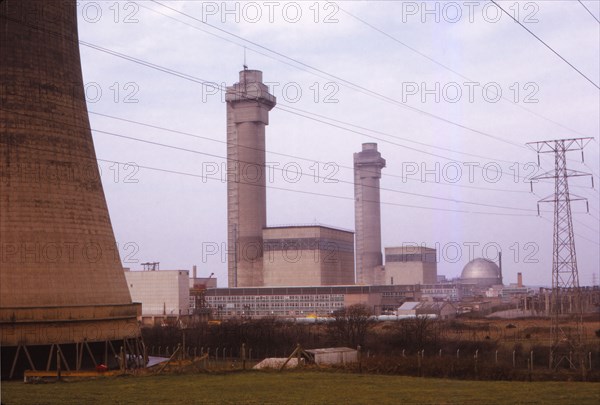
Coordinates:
(248,106)
(62,288)
(367,172)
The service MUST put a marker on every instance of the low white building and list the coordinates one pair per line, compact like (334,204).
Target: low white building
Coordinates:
(334,355)
(161,292)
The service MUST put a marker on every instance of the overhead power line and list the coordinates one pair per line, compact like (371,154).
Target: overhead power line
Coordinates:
(202,81)
(588,10)
(193,135)
(448,68)
(189,150)
(335,196)
(545,44)
(351,84)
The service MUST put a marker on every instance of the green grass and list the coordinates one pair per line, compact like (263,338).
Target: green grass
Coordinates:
(302,387)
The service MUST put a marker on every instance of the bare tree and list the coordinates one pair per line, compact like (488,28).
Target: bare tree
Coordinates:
(351,325)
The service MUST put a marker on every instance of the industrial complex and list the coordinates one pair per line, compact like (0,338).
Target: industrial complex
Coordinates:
(300,271)
(65,296)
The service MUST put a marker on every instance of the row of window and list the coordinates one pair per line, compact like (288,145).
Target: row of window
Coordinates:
(252,298)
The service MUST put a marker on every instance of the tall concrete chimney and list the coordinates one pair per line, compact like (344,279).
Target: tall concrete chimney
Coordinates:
(61,279)
(248,106)
(367,172)
(519,279)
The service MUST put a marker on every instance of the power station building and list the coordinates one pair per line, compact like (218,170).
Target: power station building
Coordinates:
(410,265)
(161,292)
(62,287)
(308,256)
(301,302)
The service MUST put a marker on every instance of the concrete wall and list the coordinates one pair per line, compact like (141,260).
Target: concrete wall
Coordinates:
(308,256)
(160,292)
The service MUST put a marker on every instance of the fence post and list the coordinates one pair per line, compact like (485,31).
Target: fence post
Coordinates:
(571,359)
(457,353)
(514,358)
(496,357)
(243,356)
(550,359)
(58,366)
(476,357)
(359,358)
(440,355)
(590,359)
(531,359)
(403,353)
(123,360)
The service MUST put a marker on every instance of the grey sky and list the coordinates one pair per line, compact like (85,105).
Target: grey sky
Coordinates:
(365,81)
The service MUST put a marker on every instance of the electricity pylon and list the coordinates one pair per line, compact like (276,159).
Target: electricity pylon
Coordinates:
(566,298)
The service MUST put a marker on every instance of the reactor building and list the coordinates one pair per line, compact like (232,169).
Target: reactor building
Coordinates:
(62,287)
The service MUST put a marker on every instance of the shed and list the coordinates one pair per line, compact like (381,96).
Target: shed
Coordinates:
(334,355)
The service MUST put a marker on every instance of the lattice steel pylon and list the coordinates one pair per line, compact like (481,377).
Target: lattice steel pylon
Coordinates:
(566,300)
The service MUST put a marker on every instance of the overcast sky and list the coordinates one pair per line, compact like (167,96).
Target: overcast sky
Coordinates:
(421,80)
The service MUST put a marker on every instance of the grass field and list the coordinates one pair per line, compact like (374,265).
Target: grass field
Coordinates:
(297,387)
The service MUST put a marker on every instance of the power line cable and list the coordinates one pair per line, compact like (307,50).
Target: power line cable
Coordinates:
(352,84)
(393,38)
(184,149)
(588,10)
(545,44)
(202,81)
(404,177)
(195,175)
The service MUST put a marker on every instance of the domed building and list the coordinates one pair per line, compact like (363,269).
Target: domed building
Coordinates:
(481,273)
